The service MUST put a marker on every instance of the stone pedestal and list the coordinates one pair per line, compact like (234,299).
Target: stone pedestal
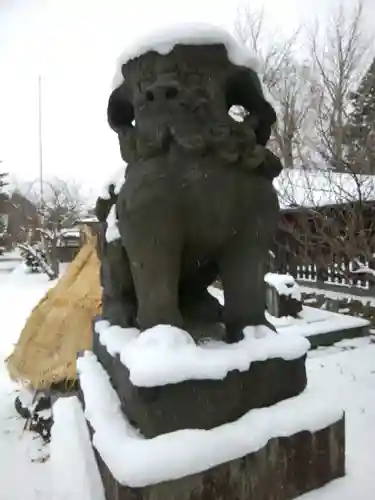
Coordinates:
(202,404)
(234,463)
(284,469)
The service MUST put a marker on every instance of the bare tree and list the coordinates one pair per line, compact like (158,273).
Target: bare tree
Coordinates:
(294,138)
(60,208)
(62,205)
(335,232)
(289,83)
(3,209)
(339,52)
(330,222)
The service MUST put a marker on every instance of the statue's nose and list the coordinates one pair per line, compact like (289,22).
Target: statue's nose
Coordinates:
(162,92)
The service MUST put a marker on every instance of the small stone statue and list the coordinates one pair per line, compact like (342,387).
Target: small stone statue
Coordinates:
(198,202)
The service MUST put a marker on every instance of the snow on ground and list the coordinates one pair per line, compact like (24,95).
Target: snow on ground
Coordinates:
(347,372)
(314,321)
(349,376)
(333,294)
(7,266)
(72,455)
(22,471)
(8,261)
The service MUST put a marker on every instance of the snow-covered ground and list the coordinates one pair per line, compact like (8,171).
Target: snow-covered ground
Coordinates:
(23,473)
(9,261)
(346,371)
(333,294)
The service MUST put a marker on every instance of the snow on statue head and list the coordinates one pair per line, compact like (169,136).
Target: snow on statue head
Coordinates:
(198,201)
(178,94)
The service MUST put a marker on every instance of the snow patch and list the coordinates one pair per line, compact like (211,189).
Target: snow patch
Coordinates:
(285,284)
(112,233)
(113,337)
(73,466)
(70,233)
(362,269)
(314,321)
(310,321)
(138,462)
(167,355)
(217,293)
(163,41)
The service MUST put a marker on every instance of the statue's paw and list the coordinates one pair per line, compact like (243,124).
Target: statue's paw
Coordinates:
(233,336)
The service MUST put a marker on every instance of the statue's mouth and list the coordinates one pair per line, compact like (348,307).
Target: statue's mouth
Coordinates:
(224,138)
(186,133)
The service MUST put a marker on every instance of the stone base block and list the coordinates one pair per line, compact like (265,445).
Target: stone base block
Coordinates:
(202,404)
(285,468)
(330,338)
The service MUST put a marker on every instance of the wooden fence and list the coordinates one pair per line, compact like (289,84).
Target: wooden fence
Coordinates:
(332,248)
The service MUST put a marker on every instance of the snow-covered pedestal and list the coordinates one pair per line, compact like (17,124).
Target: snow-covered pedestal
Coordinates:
(172,420)
(283,469)
(166,382)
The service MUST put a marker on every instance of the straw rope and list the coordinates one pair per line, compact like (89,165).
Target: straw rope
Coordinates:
(60,325)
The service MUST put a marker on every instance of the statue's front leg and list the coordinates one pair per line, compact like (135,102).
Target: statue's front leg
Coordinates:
(153,242)
(243,265)
(118,296)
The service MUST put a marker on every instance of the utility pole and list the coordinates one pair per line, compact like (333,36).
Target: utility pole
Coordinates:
(49,244)
(40,131)
(40,143)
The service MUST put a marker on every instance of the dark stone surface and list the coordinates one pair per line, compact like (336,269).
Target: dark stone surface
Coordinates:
(330,338)
(198,201)
(280,306)
(202,404)
(284,469)
(289,306)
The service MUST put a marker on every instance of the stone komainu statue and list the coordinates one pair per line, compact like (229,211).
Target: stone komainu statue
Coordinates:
(198,202)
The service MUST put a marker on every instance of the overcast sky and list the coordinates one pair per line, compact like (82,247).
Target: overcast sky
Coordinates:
(73,44)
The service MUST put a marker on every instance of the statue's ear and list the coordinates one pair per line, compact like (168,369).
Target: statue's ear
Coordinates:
(120,111)
(244,89)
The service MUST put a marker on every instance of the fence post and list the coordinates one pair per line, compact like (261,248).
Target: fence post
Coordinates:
(321,275)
